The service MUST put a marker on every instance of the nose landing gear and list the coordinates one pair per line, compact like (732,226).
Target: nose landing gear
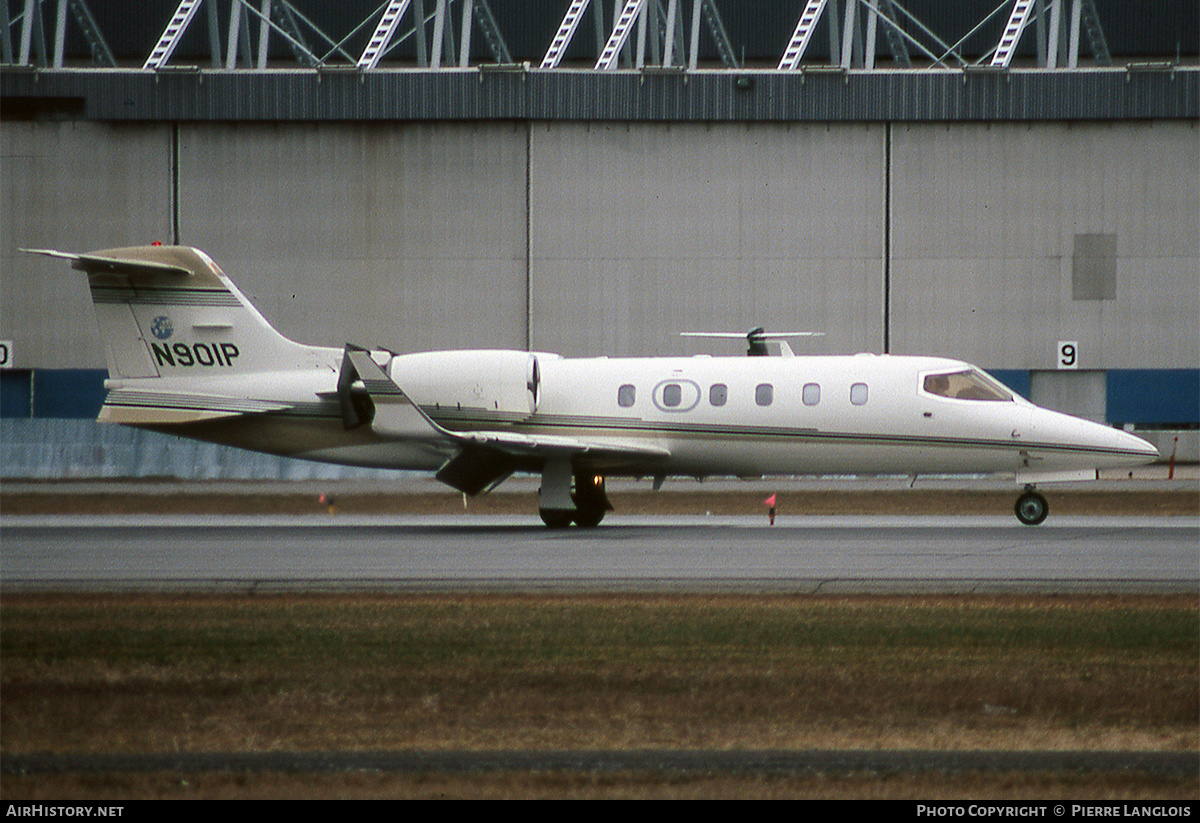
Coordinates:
(1031,508)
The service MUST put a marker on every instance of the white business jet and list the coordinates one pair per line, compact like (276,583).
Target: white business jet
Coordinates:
(189,355)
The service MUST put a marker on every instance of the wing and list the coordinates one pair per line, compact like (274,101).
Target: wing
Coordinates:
(481,459)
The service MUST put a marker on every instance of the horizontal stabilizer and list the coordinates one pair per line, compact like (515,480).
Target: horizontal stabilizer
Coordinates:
(95,264)
(139,407)
(757,339)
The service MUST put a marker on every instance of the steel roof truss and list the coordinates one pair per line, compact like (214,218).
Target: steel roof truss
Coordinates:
(384,31)
(172,34)
(630,13)
(566,31)
(802,35)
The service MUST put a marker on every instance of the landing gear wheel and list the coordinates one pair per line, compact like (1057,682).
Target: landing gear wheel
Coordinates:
(588,517)
(1031,508)
(591,501)
(557,518)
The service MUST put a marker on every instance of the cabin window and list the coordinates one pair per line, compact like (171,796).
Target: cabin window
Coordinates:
(764,393)
(676,395)
(626,395)
(858,394)
(966,385)
(718,394)
(672,395)
(811,394)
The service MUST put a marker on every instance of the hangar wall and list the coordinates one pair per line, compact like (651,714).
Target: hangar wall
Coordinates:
(72,185)
(992,227)
(612,238)
(411,237)
(992,242)
(639,232)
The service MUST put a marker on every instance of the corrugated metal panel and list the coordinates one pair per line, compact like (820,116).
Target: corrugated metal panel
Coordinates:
(584,95)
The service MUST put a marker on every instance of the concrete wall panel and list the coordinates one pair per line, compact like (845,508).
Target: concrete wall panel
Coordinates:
(984,225)
(405,236)
(642,231)
(73,186)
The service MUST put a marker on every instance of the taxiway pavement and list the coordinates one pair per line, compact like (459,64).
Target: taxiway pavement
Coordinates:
(630,553)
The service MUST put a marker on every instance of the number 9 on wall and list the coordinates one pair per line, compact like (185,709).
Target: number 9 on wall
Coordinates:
(1068,354)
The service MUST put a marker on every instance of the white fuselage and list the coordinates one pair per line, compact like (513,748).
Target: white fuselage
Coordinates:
(700,416)
(742,416)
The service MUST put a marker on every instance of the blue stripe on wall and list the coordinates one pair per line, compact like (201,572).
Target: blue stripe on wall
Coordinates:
(1154,397)
(15,392)
(1157,397)
(68,393)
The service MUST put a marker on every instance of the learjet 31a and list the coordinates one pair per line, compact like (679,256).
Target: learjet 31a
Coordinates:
(189,355)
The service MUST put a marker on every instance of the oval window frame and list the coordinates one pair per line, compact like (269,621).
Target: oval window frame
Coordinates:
(689,396)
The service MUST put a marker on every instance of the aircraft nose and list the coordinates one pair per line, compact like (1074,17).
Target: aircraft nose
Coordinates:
(1133,443)
(1128,449)
(1099,445)
(1125,449)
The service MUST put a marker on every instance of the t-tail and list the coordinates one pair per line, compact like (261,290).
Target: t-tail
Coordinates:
(170,318)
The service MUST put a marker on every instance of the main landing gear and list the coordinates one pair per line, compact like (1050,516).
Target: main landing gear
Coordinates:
(572,497)
(1031,508)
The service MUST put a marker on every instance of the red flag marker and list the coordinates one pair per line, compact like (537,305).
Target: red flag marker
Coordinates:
(770,504)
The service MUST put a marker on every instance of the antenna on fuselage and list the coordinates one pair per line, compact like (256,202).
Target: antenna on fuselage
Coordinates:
(756,339)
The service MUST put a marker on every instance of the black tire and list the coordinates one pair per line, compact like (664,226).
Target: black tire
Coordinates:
(1031,508)
(589,517)
(591,503)
(557,518)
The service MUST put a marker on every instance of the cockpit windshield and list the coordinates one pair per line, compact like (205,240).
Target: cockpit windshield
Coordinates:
(970,384)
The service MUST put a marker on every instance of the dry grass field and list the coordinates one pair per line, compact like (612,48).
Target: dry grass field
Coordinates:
(152,673)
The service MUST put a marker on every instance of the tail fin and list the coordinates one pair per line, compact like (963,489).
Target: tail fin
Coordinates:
(169,311)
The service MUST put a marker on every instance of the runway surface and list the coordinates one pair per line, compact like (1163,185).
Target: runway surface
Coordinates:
(811,554)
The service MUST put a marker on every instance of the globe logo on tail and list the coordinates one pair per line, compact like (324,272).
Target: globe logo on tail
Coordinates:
(162,327)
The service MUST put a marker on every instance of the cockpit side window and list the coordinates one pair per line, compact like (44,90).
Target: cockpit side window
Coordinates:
(970,384)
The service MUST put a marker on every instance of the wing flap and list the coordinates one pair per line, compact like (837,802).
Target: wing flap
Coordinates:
(477,469)
(549,444)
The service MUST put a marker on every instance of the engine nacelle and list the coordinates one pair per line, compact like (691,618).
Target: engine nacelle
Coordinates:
(481,381)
